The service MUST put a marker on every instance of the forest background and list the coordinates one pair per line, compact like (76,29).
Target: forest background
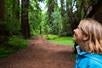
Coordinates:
(22,19)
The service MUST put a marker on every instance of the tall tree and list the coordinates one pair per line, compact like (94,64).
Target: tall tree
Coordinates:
(51,5)
(95,10)
(18,9)
(24,19)
(15,9)
(62,8)
(71,17)
(2,16)
(76,10)
(64,17)
(2,10)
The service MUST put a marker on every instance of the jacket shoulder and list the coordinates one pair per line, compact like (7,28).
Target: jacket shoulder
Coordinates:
(94,61)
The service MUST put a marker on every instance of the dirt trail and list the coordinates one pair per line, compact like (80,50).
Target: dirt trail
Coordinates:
(40,54)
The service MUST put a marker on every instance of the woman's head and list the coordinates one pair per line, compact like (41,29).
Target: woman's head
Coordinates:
(90,35)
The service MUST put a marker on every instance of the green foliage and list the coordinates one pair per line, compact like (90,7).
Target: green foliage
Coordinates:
(4,52)
(12,24)
(50,36)
(39,19)
(13,44)
(44,24)
(57,22)
(12,27)
(63,41)
(17,42)
(35,17)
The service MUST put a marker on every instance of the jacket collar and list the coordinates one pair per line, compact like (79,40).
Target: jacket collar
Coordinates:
(84,53)
(80,51)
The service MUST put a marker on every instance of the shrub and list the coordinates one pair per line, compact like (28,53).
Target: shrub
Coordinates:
(17,42)
(50,37)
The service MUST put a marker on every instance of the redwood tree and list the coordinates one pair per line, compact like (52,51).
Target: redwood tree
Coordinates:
(25,28)
(2,28)
(2,10)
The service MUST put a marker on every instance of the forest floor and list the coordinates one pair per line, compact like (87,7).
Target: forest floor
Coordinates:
(40,54)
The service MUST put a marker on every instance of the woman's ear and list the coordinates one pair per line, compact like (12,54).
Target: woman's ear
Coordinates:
(85,37)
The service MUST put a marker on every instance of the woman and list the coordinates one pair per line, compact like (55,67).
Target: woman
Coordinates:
(88,35)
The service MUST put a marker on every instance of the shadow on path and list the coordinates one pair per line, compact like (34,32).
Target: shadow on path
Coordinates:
(40,54)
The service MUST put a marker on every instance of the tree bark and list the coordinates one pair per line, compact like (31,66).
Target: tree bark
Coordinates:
(96,11)
(2,10)
(25,27)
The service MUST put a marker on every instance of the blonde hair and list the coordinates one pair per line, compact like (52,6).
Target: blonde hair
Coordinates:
(93,30)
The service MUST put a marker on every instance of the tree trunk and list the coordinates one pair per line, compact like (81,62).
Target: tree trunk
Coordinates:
(51,5)
(96,11)
(3,34)
(62,8)
(18,10)
(24,19)
(2,11)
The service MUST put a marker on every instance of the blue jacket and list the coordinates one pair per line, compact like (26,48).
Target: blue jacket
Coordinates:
(88,60)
